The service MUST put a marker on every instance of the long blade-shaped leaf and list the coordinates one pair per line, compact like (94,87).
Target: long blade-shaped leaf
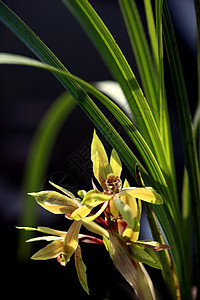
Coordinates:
(189,146)
(142,53)
(143,148)
(120,69)
(32,41)
(153,84)
(40,50)
(156,48)
(152,32)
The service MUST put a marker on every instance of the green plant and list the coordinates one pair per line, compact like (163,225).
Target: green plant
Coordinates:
(152,136)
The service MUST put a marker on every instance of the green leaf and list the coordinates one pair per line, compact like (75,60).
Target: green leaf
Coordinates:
(81,269)
(118,65)
(26,35)
(189,146)
(134,134)
(152,32)
(144,255)
(132,92)
(141,52)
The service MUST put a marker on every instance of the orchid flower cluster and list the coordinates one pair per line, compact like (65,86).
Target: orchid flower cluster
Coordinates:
(116,222)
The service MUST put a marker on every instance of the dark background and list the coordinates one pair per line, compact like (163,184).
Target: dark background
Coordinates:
(25,95)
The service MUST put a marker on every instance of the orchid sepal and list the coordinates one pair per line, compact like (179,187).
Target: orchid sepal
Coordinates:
(55,202)
(146,194)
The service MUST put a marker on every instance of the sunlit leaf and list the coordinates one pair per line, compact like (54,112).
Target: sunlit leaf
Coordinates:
(145,255)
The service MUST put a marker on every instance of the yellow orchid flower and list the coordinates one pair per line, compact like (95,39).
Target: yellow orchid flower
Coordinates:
(117,201)
(121,205)
(62,246)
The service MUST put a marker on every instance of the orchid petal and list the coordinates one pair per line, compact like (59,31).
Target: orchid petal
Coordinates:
(81,193)
(82,212)
(55,202)
(52,250)
(133,226)
(70,242)
(81,269)
(145,194)
(130,200)
(125,211)
(132,233)
(93,217)
(45,230)
(101,167)
(113,209)
(69,194)
(115,163)
(48,238)
(94,196)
